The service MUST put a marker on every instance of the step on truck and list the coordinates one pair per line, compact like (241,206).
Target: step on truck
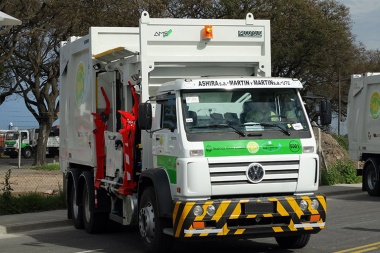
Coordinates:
(155,131)
(363,114)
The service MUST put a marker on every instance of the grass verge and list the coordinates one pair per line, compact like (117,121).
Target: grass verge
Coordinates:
(342,171)
(49,166)
(27,202)
(30,202)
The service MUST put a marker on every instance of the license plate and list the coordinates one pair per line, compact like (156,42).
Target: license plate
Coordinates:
(259,207)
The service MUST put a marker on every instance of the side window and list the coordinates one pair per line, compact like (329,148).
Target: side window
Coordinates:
(169,116)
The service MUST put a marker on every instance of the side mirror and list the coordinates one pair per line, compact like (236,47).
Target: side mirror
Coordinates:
(325,112)
(145,116)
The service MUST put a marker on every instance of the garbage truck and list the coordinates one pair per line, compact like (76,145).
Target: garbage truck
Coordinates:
(363,114)
(154,133)
(29,143)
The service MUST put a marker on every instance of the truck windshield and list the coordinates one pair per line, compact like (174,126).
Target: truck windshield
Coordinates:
(243,111)
(11,136)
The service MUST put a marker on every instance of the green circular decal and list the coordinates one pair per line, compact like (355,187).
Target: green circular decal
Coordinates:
(294,146)
(79,84)
(252,147)
(374,105)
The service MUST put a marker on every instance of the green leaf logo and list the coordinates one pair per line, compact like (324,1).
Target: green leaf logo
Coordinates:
(168,33)
(374,105)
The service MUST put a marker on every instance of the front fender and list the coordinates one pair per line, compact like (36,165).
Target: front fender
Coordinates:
(158,178)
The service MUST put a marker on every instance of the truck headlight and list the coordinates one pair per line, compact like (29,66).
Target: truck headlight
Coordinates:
(210,210)
(303,205)
(314,204)
(198,210)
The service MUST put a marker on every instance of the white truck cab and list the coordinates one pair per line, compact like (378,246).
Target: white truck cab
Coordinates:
(199,122)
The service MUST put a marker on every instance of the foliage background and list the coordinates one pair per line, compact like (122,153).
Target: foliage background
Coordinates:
(312,40)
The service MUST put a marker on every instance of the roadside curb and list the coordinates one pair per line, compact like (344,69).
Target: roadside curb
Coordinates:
(27,226)
(348,191)
(340,189)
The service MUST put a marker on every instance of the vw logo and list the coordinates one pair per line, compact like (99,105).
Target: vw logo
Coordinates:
(255,173)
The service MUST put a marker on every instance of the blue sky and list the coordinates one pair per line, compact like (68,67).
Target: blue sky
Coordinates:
(366,23)
(14,110)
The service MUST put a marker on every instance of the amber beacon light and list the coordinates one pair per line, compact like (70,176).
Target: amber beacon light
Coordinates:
(207,32)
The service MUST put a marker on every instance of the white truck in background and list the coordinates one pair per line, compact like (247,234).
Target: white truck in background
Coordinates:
(363,114)
(154,132)
(29,143)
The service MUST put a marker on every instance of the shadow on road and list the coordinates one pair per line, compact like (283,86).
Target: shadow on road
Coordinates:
(129,241)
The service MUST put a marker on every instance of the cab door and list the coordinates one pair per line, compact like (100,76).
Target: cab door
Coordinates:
(166,140)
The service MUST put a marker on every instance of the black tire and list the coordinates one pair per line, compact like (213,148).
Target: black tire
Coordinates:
(151,227)
(76,210)
(293,242)
(93,222)
(369,180)
(27,152)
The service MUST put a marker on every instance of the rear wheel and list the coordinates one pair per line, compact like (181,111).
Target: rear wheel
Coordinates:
(93,222)
(293,242)
(27,152)
(76,210)
(369,180)
(151,226)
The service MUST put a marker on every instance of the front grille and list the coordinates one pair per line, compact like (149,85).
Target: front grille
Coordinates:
(235,173)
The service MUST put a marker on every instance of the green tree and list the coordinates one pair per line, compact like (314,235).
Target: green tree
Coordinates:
(367,61)
(7,87)
(34,65)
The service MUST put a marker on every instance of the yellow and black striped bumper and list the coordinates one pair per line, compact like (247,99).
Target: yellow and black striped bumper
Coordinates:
(255,217)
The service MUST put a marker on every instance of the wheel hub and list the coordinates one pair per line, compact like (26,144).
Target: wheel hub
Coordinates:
(146,222)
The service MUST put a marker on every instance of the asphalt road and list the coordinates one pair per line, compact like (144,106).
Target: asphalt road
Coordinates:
(353,225)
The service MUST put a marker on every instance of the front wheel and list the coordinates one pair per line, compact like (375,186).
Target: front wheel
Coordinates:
(27,152)
(293,242)
(151,226)
(93,222)
(369,180)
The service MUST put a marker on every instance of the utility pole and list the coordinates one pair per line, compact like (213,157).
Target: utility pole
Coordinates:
(339,109)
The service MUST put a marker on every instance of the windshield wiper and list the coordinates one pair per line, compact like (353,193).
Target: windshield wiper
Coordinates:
(222,126)
(270,125)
